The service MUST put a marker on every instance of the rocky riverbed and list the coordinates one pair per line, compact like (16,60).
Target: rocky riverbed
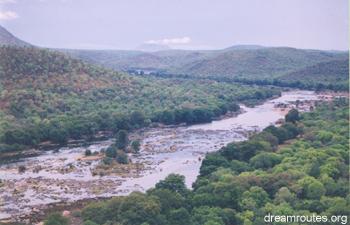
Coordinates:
(64,176)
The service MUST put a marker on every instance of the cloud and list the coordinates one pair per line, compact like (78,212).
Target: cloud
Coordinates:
(171,41)
(8,15)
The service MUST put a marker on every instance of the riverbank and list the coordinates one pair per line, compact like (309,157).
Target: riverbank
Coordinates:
(163,150)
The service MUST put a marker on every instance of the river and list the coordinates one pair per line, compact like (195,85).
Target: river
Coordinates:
(61,176)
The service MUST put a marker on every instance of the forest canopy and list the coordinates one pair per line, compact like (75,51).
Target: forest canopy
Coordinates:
(303,172)
(48,96)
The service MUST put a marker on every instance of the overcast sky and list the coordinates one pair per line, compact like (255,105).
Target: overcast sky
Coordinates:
(190,24)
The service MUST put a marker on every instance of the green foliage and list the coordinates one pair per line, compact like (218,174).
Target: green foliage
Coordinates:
(244,150)
(315,190)
(88,152)
(138,207)
(254,198)
(137,118)
(168,199)
(280,133)
(49,96)
(56,219)
(179,217)
(122,139)
(213,215)
(292,116)
(264,160)
(174,183)
(122,157)
(107,160)
(135,145)
(111,152)
(243,182)
(295,178)
(95,212)
(286,67)
(89,222)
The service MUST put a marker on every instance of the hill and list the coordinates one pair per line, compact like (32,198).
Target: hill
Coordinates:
(6,38)
(336,71)
(257,63)
(48,96)
(248,63)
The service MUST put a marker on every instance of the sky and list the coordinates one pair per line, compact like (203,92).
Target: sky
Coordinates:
(183,24)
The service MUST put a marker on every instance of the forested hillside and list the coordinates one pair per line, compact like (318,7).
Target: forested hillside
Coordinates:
(256,63)
(47,95)
(323,74)
(278,66)
(300,168)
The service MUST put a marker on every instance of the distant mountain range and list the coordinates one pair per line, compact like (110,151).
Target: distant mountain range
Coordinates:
(239,62)
(6,38)
(236,62)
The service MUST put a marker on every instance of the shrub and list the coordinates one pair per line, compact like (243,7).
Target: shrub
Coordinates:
(88,152)
(122,139)
(56,219)
(122,157)
(111,152)
(292,116)
(21,169)
(136,146)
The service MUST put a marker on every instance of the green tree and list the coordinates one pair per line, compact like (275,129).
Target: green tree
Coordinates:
(284,195)
(96,212)
(168,199)
(264,160)
(175,183)
(138,208)
(88,152)
(58,135)
(137,118)
(292,116)
(136,146)
(122,157)
(179,217)
(315,190)
(89,222)
(56,219)
(254,198)
(279,132)
(111,152)
(122,139)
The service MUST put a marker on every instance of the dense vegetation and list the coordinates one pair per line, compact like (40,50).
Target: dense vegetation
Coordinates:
(300,168)
(309,69)
(332,75)
(48,96)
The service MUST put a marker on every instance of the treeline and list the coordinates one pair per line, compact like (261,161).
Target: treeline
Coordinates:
(299,168)
(199,115)
(60,129)
(314,84)
(48,96)
(309,85)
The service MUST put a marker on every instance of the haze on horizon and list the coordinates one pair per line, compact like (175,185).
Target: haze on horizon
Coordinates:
(180,24)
